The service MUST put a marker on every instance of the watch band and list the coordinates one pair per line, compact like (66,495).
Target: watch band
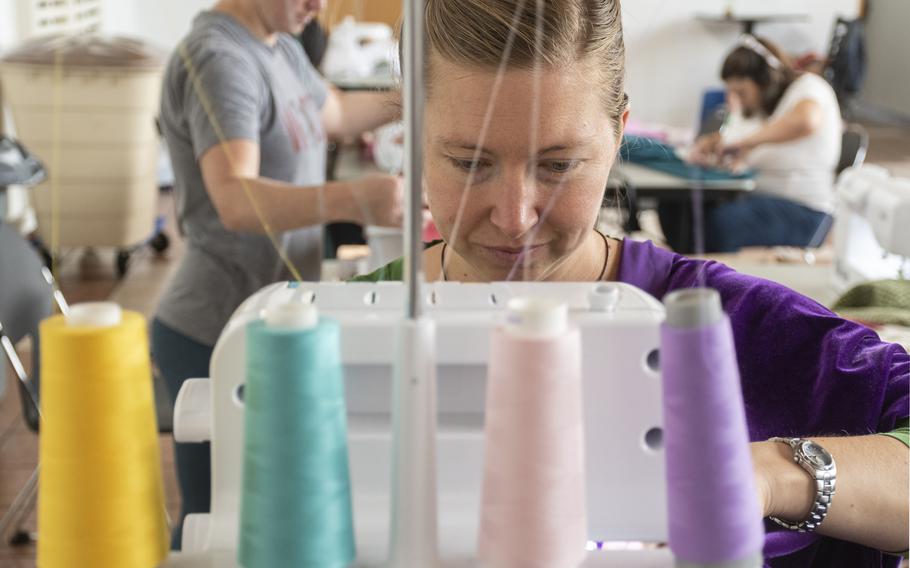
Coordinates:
(820,465)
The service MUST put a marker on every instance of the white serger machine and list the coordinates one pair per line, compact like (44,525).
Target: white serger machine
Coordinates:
(872,230)
(622,391)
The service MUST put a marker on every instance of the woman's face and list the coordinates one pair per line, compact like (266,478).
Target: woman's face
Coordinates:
(744,94)
(544,195)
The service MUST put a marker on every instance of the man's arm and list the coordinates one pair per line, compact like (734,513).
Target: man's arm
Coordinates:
(352,113)
(247,202)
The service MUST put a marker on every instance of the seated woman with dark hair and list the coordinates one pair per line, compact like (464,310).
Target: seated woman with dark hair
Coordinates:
(786,126)
(515,166)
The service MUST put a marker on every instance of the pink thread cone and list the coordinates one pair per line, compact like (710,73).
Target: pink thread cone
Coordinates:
(533,511)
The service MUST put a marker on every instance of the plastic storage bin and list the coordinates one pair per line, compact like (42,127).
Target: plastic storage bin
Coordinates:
(386,244)
(107,144)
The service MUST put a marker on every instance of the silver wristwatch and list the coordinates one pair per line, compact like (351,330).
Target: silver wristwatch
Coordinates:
(820,465)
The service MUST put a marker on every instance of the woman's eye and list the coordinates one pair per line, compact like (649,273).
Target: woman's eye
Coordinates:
(468,165)
(559,166)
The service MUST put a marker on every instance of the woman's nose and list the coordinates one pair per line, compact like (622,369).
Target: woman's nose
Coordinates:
(515,210)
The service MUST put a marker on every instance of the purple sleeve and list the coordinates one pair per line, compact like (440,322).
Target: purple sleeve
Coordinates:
(805,371)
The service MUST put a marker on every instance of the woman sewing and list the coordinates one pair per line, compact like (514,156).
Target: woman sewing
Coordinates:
(517,198)
(785,126)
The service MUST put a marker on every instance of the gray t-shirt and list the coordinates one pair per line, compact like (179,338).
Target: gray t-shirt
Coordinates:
(270,95)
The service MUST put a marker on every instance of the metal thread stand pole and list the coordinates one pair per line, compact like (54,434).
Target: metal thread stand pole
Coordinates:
(414,525)
(413,69)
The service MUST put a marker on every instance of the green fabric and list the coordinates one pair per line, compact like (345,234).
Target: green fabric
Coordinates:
(394,271)
(902,432)
(882,302)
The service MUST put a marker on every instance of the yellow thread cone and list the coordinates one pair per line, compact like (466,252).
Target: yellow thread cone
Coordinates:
(101,498)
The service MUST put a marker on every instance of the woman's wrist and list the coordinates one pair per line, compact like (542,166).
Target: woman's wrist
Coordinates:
(785,489)
(339,203)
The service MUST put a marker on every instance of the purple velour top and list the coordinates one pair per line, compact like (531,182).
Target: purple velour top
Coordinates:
(804,370)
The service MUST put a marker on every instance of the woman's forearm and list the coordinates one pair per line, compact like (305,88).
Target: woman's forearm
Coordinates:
(870,505)
(800,122)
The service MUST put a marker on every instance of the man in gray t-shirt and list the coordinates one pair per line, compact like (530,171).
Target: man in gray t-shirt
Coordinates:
(246,118)
(268,94)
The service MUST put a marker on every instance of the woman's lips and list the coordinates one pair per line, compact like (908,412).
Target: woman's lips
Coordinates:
(512,255)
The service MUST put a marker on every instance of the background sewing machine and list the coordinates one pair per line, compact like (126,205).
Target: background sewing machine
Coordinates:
(361,55)
(625,459)
(872,232)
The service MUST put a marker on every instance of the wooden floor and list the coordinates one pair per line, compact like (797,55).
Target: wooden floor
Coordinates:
(92,277)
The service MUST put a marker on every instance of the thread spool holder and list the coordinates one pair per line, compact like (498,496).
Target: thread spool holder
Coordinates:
(370,316)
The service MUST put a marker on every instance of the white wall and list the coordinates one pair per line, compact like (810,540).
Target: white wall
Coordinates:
(161,22)
(888,82)
(672,57)
(9,37)
(9,24)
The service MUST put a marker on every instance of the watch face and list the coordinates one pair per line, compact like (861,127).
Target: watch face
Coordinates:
(817,455)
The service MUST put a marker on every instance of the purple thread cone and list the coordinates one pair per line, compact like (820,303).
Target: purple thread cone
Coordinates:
(713,510)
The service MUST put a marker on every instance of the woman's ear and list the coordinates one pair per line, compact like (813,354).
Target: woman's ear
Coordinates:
(623,122)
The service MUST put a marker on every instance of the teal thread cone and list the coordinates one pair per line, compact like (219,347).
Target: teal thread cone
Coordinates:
(296,501)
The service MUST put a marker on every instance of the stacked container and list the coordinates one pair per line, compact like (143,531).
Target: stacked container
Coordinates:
(87,106)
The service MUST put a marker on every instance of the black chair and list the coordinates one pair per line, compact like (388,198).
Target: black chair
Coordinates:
(845,67)
(27,292)
(854,145)
(315,41)
(624,198)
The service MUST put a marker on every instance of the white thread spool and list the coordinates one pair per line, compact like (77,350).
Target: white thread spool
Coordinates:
(292,315)
(94,314)
(536,317)
(604,297)
(693,307)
